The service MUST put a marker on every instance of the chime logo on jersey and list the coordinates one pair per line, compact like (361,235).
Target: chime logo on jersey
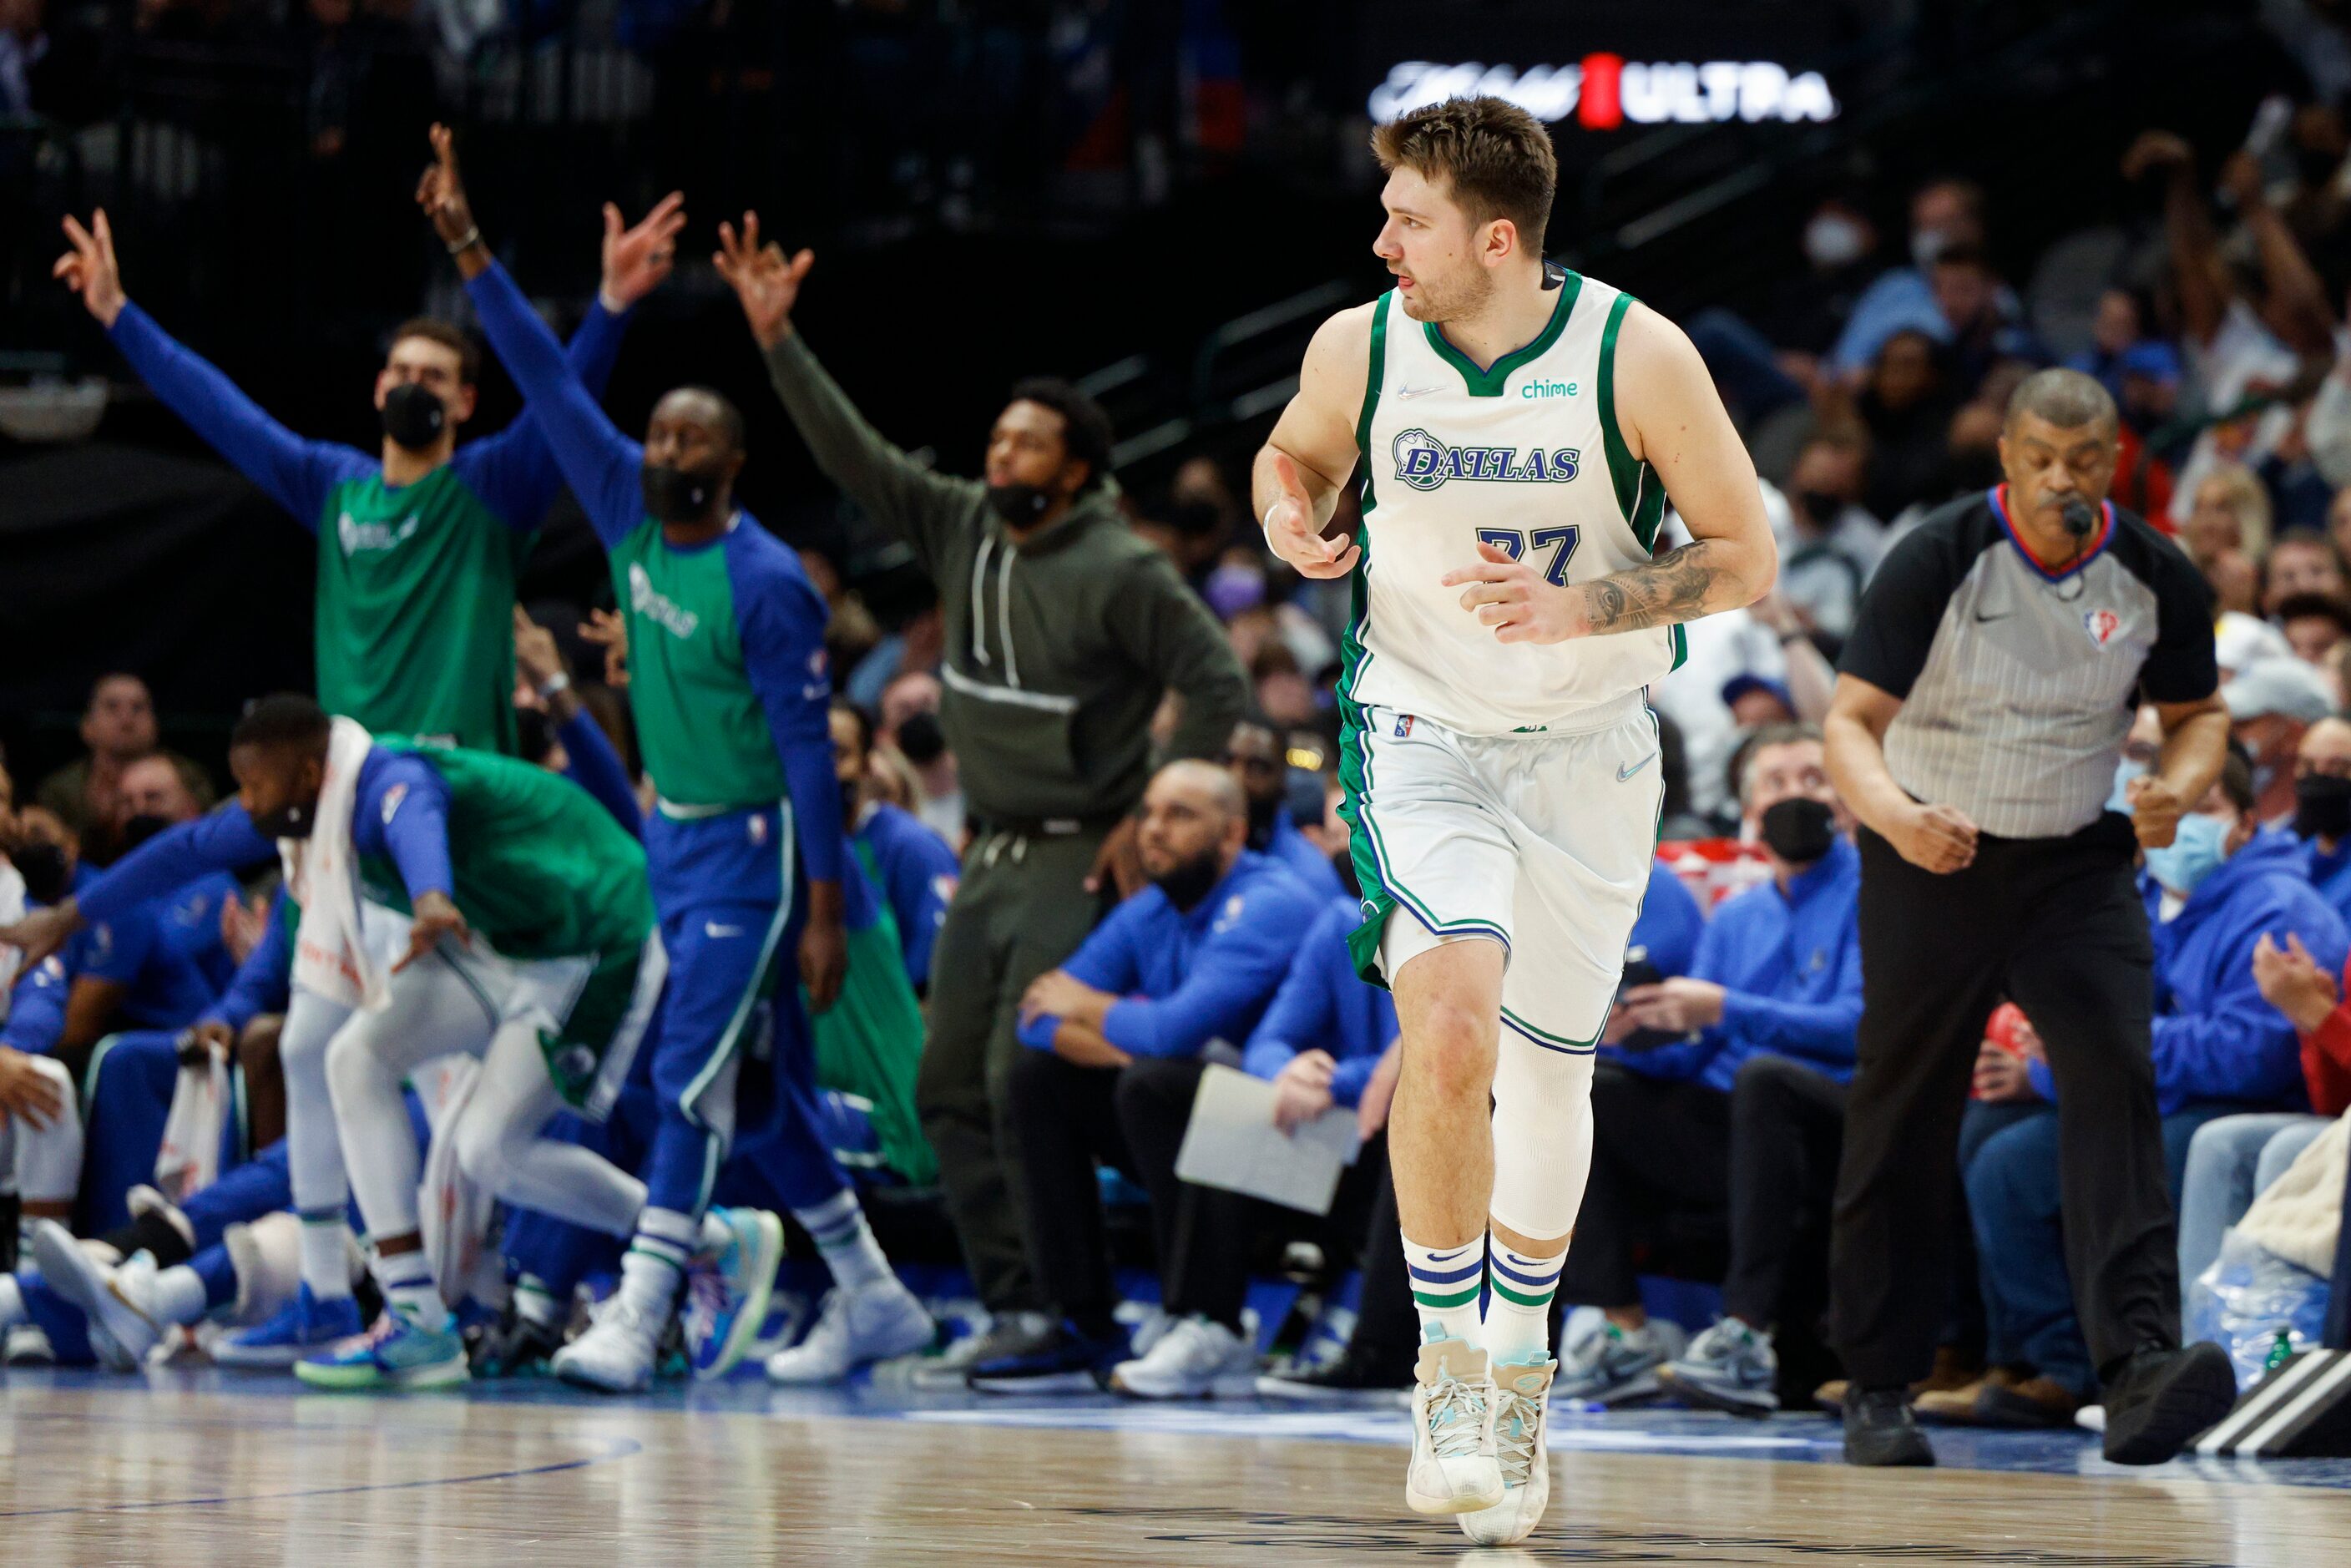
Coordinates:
(657,607)
(2102,625)
(357,536)
(1424,461)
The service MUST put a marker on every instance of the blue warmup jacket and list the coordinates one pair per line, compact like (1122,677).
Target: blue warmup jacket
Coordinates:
(2331,875)
(1324,1005)
(1289,848)
(917,873)
(1792,964)
(2215,1038)
(1189,978)
(1671,923)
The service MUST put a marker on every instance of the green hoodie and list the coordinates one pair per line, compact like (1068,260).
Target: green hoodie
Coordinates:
(1058,649)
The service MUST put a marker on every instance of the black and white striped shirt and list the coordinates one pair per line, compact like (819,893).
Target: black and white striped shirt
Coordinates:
(2019,682)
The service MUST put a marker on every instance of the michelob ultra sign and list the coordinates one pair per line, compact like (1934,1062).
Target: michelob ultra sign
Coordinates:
(1604,92)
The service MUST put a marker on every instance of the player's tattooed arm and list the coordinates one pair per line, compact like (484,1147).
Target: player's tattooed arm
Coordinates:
(1680,585)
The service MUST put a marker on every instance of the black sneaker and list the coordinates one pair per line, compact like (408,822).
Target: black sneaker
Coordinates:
(1879,1429)
(2162,1398)
(1348,1374)
(1063,1359)
(513,1346)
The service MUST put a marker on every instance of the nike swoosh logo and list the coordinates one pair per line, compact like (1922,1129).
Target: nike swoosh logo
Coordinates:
(1982,617)
(1405,394)
(712,928)
(1624,773)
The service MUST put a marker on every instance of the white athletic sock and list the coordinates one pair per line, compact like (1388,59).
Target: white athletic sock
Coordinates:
(534,1303)
(842,1235)
(12,1302)
(1445,1283)
(180,1294)
(716,1236)
(1518,1315)
(656,1258)
(409,1290)
(326,1256)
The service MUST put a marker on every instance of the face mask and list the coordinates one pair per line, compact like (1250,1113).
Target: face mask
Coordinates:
(1261,814)
(675,494)
(1833,240)
(2195,853)
(142,827)
(286,822)
(48,875)
(2125,771)
(1233,587)
(414,417)
(534,736)
(1188,881)
(920,739)
(2322,807)
(1926,245)
(1799,829)
(1020,506)
(1820,506)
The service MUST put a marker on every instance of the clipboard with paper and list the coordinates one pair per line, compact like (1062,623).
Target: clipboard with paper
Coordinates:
(1232,1144)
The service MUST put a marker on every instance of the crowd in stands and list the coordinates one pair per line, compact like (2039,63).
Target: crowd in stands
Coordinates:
(1872,390)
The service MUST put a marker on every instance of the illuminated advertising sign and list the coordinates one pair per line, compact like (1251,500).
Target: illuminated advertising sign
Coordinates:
(1605,92)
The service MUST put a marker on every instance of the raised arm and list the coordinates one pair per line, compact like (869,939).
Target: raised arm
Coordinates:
(922,506)
(2199,275)
(1295,479)
(515,472)
(2297,299)
(223,840)
(597,461)
(293,472)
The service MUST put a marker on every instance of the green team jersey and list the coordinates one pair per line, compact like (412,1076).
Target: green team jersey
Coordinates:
(725,655)
(541,870)
(416,589)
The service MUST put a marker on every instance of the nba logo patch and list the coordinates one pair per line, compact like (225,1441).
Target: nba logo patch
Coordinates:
(2102,625)
(757,827)
(1403,725)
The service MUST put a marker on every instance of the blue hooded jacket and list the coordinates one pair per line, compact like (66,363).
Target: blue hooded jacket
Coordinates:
(1323,1005)
(2215,1038)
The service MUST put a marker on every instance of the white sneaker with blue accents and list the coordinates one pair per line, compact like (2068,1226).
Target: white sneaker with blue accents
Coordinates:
(1453,1469)
(1730,1367)
(1521,1425)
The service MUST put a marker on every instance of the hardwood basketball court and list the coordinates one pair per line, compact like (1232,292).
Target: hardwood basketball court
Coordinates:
(203,1466)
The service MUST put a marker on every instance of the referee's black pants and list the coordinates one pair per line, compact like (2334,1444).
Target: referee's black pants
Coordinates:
(2057,927)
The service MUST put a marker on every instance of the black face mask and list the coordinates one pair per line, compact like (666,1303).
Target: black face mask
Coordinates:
(2322,807)
(1188,881)
(920,739)
(1799,830)
(675,494)
(142,827)
(48,875)
(414,417)
(1020,506)
(1261,814)
(1820,506)
(286,822)
(534,736)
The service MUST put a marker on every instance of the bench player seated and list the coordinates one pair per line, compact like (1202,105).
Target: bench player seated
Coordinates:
(1116,1041)
(527,947)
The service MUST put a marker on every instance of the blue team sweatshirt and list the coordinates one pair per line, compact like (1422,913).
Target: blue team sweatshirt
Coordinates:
(1190,977)
(917,873)
(1323,1005)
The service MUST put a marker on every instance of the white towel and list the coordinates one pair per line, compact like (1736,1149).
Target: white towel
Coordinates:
(2300,1216)
(188,1160)
(330,961)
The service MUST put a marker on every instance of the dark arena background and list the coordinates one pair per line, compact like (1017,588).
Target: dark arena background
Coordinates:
(1034,1173)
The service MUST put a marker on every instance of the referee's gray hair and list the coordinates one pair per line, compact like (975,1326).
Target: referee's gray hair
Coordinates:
(2066,399)
(1769,735)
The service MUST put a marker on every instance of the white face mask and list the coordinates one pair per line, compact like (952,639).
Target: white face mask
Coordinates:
(1833,240)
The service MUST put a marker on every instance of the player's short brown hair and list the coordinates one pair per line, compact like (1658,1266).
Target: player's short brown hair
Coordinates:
(433,330)
(1495,159)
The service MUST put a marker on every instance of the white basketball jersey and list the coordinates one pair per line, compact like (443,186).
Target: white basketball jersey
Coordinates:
(1527,455)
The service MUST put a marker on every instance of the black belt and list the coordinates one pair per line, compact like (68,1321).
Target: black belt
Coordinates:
(1046,827)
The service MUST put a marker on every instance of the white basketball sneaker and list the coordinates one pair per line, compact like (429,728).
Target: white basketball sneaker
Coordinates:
(876,1323)
(123,1323)
(1194,1359)
(1522,1408)
(1452,1465)
(615,1352)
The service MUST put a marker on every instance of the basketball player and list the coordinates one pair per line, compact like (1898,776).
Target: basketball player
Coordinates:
(745,845)
(1520,429)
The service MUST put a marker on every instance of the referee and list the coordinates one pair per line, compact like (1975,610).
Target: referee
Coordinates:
(1980,707)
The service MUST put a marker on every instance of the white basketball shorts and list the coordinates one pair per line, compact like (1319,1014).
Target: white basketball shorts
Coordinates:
(1541,841)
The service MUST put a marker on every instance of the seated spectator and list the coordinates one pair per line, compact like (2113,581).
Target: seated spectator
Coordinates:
(910,724)
(2302,563)
(1944,215)
(1379,1351)
(1982,320)
(154,796)
(1907,406)
(2115,330)
(1260,766)
(2315,626)
(2271,705)
(1117,1040)
(118,728)
(1744,1114)
(1832,543)
(2219,889)
(2321,808)
(1769,363)
(911,865)
(2229,513)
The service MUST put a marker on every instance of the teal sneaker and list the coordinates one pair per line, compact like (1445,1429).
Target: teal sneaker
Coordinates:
(395,1353)
(726,1294)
